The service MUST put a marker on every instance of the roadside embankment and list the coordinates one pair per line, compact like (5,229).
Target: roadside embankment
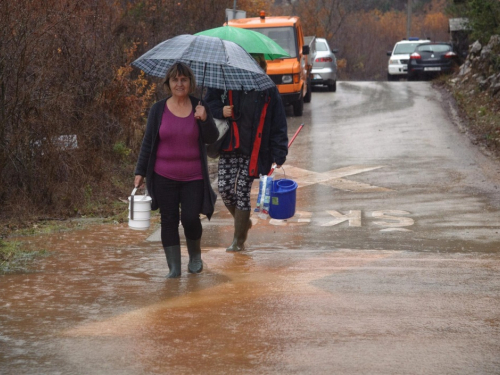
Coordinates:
(476,88)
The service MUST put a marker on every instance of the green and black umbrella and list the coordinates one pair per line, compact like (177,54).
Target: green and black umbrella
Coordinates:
(251,41)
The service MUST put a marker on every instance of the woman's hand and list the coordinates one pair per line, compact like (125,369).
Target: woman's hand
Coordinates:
(200,112)
(138,181)
(227,111)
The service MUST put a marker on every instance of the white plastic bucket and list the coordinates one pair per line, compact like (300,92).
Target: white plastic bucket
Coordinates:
(139,210)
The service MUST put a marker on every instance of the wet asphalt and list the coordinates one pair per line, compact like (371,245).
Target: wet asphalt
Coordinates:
(389,266)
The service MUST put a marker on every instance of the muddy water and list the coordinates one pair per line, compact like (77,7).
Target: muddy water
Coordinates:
(100,304)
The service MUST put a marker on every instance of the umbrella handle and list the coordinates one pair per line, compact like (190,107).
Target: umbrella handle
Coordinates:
(203,82)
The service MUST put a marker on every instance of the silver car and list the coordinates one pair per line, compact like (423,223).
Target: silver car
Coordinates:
(324,70)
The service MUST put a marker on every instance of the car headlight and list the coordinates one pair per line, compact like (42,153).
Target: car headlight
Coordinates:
(393,62)
(287,79)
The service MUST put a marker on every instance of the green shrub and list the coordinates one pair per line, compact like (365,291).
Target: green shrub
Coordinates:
(484,18)
(121,150)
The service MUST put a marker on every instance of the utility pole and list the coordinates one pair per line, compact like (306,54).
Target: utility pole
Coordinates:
(234,6)
(408,20)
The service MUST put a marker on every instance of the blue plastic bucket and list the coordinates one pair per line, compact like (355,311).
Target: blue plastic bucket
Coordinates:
(283,197)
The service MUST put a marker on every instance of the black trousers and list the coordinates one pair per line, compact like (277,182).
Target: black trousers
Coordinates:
(179,200)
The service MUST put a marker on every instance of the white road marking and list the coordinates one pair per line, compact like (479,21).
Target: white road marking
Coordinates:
(348,185)
(396,230)
(300,218)
(333,178)
(389,220)
(396,221)
(353,217)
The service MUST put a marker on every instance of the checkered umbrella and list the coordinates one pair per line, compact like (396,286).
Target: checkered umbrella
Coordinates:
(215,62)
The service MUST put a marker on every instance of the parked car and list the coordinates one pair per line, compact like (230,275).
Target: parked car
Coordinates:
(324,70)
(431,59)
(399,57)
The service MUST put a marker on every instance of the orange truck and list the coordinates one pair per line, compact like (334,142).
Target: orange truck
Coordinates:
(291,75)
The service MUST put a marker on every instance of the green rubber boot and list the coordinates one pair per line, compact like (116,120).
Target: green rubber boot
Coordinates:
(242,224)
(195,264)
(231,209)
(173,254)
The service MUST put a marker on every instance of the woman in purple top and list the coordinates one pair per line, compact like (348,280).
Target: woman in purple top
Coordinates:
(173,160)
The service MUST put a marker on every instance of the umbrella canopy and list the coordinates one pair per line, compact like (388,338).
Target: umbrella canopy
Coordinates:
(251,41)
(215,62)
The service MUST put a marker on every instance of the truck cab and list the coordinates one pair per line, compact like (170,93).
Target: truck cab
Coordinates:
(291,75)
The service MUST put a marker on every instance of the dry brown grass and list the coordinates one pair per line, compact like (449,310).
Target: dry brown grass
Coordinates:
(479,111)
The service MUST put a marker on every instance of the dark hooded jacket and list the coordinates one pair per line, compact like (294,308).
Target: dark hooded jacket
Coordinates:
(147,156)
(270,143)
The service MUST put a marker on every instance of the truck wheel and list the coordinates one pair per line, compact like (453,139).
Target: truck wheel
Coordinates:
(333,86)
(298,107)
(307,98)
(392,78)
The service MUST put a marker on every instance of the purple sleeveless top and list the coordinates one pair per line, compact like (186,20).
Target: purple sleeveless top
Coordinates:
(178,155)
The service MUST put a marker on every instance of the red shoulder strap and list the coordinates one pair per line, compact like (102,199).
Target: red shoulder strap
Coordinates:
(253,168)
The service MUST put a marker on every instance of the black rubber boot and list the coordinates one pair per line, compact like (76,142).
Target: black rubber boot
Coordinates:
(195,264)
(173,254)
(242,224)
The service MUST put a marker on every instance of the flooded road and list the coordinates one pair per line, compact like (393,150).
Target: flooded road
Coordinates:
(390,265)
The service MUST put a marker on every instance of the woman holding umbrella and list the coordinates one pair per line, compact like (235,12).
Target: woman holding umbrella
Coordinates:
(173,160)
(256,139)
